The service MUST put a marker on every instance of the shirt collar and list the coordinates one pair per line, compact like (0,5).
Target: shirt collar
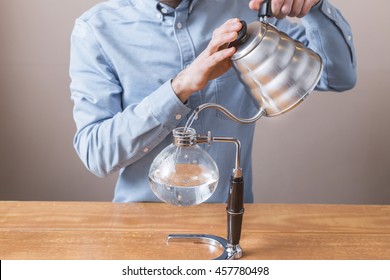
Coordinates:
(153,8)
(153,5)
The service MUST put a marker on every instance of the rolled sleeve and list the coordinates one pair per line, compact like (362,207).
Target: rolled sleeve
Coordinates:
(110,137)
(166,107)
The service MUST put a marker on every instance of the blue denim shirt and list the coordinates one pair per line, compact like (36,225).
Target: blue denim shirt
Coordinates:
(124,54)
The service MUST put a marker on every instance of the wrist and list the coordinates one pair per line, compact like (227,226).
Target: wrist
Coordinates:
(182,87)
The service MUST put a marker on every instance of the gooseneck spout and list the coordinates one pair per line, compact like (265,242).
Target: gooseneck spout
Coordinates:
(225,111)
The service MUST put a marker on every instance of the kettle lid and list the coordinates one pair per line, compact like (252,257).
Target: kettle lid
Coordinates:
(254,35)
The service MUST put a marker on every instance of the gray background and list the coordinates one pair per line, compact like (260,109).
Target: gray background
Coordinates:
(334,148)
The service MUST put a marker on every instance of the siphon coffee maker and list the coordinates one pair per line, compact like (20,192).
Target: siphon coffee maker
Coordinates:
(184,174)
(278,74)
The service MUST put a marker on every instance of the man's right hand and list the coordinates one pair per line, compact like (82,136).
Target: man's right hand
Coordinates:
(210,64)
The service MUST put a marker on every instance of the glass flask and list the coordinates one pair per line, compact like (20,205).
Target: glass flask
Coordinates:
(183,173)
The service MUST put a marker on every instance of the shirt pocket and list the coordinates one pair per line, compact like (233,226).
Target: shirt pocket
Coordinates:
(230,93)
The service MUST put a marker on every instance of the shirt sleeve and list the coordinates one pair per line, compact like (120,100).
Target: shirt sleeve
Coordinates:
(110,137)
(325,31)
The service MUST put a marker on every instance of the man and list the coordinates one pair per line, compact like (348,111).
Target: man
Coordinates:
(139,67)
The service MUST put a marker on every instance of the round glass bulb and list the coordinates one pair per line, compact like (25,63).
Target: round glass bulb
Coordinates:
(183,173)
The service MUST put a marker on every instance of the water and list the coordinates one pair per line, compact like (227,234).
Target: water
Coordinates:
(183,196)
(187,185)
(190,121)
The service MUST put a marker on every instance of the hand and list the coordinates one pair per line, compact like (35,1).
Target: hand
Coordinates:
(283,8)
(210,64)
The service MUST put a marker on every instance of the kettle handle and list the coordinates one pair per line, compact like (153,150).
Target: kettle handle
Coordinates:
(265,9)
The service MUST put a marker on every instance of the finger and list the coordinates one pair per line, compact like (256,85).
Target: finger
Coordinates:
(231,25)
(296,8)
(223,35)
(276,6)
(286,8)
(220,56)
(218,41)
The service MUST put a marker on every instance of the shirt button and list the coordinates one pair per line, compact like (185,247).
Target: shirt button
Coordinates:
(164,10)
(146,150)
(179,25)
(329,11)
(349,37)
(178,117)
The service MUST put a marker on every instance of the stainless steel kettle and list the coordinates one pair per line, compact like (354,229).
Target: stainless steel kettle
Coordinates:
(277,71)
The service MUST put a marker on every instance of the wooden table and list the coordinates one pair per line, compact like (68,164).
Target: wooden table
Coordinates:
(105,230)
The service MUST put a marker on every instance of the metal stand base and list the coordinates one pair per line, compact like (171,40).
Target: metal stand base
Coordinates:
(230,252)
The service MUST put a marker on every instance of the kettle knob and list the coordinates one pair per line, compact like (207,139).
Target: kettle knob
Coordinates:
(241,37)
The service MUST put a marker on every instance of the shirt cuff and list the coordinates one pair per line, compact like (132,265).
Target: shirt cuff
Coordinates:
(166,107)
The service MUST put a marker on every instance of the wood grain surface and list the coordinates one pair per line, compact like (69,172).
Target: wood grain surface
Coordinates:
(120,231)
